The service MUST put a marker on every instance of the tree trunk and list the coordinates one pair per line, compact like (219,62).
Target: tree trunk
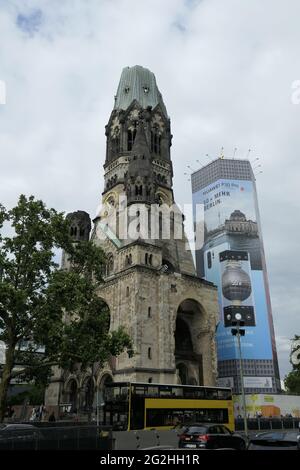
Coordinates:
(5,380)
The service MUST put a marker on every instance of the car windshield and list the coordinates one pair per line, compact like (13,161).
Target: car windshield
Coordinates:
(196,430)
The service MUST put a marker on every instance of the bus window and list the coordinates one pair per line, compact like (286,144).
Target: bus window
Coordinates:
(139,390)
(124,393)
(165,391)
(190,393)
(200,393)
(212,394)
(177,392)
(152,392)
(224,394)
(137,412)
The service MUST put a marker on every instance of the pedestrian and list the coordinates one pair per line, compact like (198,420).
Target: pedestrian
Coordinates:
(52,417)
(33,416)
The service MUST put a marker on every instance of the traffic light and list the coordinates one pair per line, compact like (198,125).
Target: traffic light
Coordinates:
(234,332)
(238,322)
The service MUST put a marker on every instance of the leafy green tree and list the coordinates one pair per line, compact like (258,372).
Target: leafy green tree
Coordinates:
(292,380)
(46,306)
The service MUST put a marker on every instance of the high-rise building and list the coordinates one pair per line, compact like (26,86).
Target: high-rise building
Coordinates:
(150,282)
(232,257)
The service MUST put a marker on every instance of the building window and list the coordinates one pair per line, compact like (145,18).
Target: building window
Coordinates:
(127,291)
(138,190)
(148,259)
(149,353)
(131,135)
(209,260)
(150,380)
(149,312)
(128,260)
(155,142)
(109,265)
(116,145)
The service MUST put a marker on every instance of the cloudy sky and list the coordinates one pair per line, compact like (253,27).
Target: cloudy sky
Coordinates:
(226,69)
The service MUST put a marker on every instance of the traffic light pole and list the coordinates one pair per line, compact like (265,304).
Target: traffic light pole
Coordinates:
(242,381)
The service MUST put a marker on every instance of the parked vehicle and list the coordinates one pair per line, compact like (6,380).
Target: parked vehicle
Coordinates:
(210,436)
(285,440)
(18,436)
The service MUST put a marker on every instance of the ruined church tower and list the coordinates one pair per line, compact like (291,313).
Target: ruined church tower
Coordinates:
(151,286)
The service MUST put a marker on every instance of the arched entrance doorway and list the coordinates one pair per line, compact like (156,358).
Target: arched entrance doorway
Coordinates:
(99,399)
(182,373)
(187,358)
(87,394)
(72,395)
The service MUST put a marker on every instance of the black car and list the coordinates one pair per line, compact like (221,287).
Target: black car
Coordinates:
(18,436)
(280,440)
(210,436)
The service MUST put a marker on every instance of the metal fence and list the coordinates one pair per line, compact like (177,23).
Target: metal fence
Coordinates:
(57,438)
(261,424)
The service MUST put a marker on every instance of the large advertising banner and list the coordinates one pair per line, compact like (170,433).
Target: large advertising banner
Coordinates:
(236,287)
(231,258)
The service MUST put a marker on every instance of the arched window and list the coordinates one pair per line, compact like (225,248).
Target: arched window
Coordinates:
(155,142)
(149,353)
(149,312)
(128,259)
(160,225)
(127,291)
(131,133)
(109,265)
(209,259)
(72,394)
(138,190)
(146,258)
(116,145)
(150,260)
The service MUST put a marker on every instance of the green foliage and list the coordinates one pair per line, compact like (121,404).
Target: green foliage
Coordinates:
(33,395)
(44,305)
(292,380)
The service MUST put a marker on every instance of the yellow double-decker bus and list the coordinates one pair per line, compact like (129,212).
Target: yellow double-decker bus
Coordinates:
(132,406)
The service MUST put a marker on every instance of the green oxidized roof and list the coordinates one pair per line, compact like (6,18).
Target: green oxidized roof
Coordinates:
(138,83)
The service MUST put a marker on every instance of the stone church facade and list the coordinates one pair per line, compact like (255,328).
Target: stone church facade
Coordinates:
(150,283)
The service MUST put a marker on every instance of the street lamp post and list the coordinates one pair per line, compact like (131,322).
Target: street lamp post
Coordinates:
(238,333)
